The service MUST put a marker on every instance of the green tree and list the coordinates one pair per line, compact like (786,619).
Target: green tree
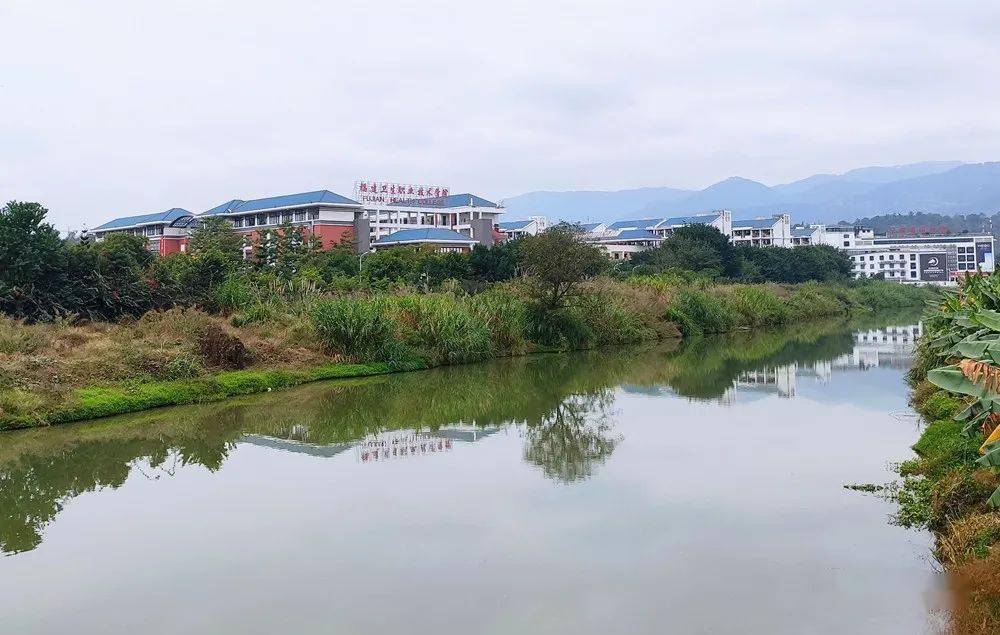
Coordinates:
(700,248)
(496,263)
(216,235)
(33,276)
(558,262)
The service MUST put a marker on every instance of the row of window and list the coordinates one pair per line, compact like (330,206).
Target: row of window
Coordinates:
(275,218)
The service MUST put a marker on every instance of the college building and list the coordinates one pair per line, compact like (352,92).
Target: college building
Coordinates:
(441,221)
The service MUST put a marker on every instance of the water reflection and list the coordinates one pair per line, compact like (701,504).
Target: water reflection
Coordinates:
(560,406)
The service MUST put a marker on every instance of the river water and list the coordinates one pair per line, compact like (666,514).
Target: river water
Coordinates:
(694,488)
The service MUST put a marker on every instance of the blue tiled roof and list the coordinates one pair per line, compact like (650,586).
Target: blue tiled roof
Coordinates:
(512,225)
(168,216)
(274,202)
(636,234)
(755,223)
(693,219)
(802,232)
(589,227)
(452,200)
(427,234)
(641,223)
(228,206)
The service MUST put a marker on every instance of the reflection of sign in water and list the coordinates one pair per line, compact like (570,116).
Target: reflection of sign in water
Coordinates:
(396,446)
(933,267)
(984,256)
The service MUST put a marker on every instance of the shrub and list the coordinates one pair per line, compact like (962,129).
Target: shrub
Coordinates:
(448,330)
(558,328)
(611,321)
(699,312)
(182,368)
(361,328)
(757,306)
(18,337)
(505,316)
(222,349)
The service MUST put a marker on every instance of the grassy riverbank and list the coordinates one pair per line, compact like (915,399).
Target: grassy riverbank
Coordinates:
(952,486)
(257,342)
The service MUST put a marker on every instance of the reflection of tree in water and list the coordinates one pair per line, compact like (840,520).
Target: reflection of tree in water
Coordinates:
(574,438)
(35,486)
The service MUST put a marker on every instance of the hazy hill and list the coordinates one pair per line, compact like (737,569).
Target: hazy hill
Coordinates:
(945,187)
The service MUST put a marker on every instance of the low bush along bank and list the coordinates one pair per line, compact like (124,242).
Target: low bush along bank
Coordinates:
(952,487)
(64,370)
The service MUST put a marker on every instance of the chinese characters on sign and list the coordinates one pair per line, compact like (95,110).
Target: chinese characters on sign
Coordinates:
(389,193)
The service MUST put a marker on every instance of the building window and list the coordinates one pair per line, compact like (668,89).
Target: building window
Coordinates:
(913,274)
(314,214)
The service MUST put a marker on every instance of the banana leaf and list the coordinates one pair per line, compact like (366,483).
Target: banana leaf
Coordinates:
(973,425)
(992,456)
(965,414)
(987,318)
(995,499)
(950,378)
(971,350)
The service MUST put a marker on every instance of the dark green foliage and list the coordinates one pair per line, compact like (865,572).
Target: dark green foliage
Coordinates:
(799,264)
(558,262)
(697,312)
(699,248)
(33,275)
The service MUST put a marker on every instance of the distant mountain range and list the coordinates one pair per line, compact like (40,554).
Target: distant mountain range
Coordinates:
(943,187)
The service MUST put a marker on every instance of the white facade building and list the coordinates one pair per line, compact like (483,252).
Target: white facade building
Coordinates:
(772,231)
(926,259)
(467,214)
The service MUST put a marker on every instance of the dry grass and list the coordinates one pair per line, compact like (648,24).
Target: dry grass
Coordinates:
(975,595)
(968,538)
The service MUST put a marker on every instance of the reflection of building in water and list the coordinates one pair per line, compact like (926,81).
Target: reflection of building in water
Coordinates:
(295,445)
(395,445)
(375,447)
(779,379)
(891,346)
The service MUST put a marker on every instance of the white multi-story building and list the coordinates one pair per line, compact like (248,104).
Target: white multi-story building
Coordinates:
(772,231)
(521,228)
(467,214)
(924,259)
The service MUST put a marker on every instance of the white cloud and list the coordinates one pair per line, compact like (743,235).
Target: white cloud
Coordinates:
(120,107)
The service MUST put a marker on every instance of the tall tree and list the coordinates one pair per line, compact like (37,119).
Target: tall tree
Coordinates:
(558,261)
(33,277)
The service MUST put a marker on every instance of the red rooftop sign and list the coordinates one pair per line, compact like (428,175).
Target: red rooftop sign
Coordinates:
(389,193)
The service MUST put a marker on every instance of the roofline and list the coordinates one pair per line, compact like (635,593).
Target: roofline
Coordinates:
(101,228)
(424,240)
(237,212)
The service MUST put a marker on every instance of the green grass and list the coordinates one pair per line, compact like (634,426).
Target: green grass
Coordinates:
(92,403)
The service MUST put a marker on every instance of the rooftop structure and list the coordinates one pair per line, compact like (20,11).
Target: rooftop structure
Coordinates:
(443,240)
(166,231)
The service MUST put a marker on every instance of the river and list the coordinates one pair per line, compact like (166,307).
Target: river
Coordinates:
(691,488)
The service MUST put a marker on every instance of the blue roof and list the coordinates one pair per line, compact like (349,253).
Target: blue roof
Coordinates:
(802,232)
(236,206)
(641,223)
(168,216)
(636,234)
(589,227)
(427,234)
(755,223)
(694,219)
(512,225)
(452,200)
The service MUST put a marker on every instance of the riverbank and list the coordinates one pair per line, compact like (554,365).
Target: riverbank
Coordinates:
(952,486)
(61,372)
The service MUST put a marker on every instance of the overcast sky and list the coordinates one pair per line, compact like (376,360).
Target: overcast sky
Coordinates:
(113,108)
